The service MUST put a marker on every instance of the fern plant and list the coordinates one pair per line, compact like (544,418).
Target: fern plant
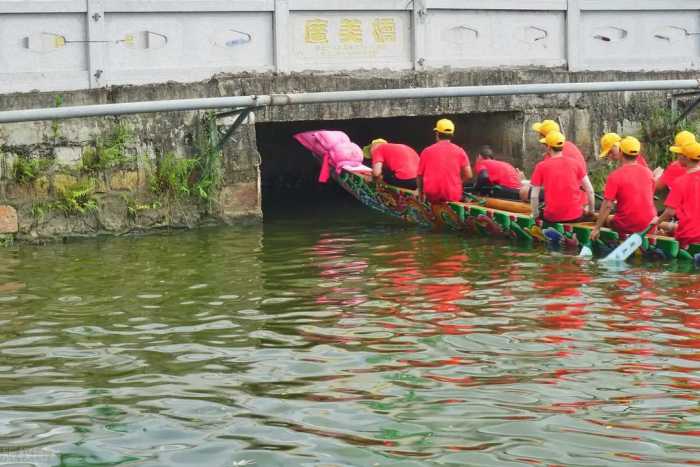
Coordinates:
(77,198)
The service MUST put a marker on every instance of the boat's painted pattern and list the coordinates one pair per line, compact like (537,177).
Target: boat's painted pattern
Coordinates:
(474,217)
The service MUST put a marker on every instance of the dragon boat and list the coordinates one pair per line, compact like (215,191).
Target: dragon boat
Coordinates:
(495,217)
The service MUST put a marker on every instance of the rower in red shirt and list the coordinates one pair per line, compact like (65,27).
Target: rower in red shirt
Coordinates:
(395,164)
(561,178)
(496,178)
(675,169)
(684,199)
(444,167)
(610,149)
(570,151)
(631,186)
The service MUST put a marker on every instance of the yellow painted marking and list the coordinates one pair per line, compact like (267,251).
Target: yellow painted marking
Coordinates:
(316,31)
(384,30)
(350,31)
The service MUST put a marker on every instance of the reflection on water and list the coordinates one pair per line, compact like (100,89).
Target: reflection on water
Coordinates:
(338,338)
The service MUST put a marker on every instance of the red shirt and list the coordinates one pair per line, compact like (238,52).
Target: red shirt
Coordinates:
(571,151)
(672,172)
(632,186)
(561,178)
(500,173)
(685,199)
(643,162)
(399,158)
(441,168)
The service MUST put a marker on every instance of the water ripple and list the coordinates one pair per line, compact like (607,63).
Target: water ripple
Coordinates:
(342,343)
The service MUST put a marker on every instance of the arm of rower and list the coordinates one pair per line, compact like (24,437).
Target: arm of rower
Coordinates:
(535,202)
(589,192)
(666,216)
(377,170)
(605,209)
(659,185)
(419,186)
(466,173)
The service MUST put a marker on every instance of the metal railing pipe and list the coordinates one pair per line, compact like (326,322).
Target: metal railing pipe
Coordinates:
(101,110)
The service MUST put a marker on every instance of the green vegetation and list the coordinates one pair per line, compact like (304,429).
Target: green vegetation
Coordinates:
(199,176)
(55,126)
(658,132)
(109,152)
(40,209)
(76,198)
(133,207)
(7,240)
(173,175)
(599,174)
(25,171)
(208,144)
(73,199)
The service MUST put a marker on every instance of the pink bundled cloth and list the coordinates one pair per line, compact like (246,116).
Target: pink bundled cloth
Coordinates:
(321,141)
(336,149)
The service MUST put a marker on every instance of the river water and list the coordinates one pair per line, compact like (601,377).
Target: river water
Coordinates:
(331,336)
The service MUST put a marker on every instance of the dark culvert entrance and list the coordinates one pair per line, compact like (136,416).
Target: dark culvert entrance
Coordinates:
(290,172)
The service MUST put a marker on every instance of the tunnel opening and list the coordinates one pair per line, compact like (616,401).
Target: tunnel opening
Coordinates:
(289,173)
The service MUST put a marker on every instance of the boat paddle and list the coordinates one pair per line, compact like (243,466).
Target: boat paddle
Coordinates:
(586,251)
(629,246)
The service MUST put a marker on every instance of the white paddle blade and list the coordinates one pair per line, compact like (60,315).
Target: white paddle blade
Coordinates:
(625,249)
(586,252)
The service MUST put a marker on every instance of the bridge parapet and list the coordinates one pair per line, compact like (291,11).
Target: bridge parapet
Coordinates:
(79,44)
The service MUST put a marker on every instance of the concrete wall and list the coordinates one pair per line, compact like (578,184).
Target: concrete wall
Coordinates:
(55,45)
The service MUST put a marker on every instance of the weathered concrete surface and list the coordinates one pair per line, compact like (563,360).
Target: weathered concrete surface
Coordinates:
(8,220)
(503,122)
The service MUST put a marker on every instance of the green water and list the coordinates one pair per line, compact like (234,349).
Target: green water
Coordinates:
(335,337)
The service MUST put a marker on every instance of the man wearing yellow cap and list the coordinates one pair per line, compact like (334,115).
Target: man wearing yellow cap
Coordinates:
(444,167)
(569,150)
(610,149)
(395,164)
(683,201)
(675,169)
(561,179)
(631,186)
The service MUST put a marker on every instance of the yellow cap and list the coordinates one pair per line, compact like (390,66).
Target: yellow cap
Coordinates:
(367,150)
(554,139)
(692,151)
(607,142)
(445,126)
(630,146)
(682,138)
(546,126)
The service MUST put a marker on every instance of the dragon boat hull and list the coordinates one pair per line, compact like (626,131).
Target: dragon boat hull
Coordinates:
(497,218)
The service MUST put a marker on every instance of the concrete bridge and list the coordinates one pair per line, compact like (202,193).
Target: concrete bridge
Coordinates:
(71,52)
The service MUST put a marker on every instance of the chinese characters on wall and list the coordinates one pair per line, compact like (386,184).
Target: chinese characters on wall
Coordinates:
(351,31)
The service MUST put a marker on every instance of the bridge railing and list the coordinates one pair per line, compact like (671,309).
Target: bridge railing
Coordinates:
(54,45)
